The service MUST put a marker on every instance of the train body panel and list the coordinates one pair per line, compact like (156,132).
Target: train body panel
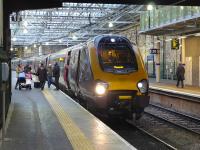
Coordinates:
(106,72)
(85,73)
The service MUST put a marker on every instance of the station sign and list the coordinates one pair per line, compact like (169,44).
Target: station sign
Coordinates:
(150,57)
(175,43)
(154,51)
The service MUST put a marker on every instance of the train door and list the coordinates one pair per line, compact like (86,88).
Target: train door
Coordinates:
(85,74)
(66,72)
(73,70)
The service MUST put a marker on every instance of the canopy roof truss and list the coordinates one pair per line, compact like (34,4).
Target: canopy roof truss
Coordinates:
(71,24)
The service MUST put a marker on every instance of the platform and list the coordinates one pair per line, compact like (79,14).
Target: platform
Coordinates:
(51,120)
(170,86)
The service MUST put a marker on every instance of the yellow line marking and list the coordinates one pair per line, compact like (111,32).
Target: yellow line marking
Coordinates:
(74,134)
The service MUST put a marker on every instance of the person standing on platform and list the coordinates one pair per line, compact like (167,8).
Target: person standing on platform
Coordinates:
(180,72)
(26,68)
(49,75)
(56,74)
(42,75)
(18,70)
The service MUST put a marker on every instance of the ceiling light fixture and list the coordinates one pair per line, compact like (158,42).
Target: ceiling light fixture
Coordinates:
(34,45)
(25,23)
(149,7)
(47,43)
(74,37)
(197,34)
(110,24)
(14,39)
(168,40)
(26,48)
(11,49)
(60,41)
(25,31)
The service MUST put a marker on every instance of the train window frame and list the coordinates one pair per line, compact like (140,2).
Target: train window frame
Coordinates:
(68,57)
(120,70)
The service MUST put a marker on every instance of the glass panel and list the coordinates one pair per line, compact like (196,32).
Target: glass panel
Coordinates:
(174,11)
(114,56)
(168,14)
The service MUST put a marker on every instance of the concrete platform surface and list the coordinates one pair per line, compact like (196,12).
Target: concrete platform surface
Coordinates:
(50,120)
(170,86)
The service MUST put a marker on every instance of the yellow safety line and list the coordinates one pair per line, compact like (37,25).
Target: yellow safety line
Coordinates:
(74,134)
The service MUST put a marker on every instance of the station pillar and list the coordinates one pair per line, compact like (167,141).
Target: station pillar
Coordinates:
(158,63)
(183,51)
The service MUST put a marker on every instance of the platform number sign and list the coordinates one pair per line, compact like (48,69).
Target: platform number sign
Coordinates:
(175,43)
(154,51)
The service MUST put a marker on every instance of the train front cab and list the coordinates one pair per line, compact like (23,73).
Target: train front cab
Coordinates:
(121,83)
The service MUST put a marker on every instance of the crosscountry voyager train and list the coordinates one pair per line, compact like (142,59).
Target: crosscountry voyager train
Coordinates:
(107,73)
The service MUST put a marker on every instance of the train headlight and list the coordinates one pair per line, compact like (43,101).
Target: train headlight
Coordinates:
(143,86)
(101,88)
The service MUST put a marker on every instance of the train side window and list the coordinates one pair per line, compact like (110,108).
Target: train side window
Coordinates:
(84,69)
(68,57)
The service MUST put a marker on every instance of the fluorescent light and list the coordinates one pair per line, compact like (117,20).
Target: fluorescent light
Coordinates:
(112,40)
(25,23)
(110,24)
(47,43)
(198,34)
(168,40)
(74,37)
(182,7)
(25,31)
(149,7)
(14,39)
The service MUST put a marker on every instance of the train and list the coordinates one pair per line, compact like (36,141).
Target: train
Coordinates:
(107,73)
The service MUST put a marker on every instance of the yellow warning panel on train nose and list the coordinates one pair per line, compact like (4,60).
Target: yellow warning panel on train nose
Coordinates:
(125,97)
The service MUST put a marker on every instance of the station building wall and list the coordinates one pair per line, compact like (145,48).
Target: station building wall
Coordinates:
(192,50)
(169,58)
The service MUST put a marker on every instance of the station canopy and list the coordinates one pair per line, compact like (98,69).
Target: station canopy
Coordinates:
(71,24)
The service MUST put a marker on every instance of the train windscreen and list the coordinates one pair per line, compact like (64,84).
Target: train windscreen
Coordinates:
(117,58)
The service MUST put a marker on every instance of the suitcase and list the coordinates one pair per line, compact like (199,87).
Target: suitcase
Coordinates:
(36,84)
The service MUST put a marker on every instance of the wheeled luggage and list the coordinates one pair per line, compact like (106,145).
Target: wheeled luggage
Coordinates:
(36,84)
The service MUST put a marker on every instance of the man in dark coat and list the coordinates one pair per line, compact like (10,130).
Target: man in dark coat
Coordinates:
(180,72)
(56,74)
(42,75)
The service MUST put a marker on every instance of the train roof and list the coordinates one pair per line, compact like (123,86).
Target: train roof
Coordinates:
(95,40)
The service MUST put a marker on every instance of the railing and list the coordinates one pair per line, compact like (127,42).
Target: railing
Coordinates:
(167,15)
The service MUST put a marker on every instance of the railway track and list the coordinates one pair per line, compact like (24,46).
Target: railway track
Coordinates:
(177,130)
(167,146)
(160,129)
(184,121)
(134,135)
